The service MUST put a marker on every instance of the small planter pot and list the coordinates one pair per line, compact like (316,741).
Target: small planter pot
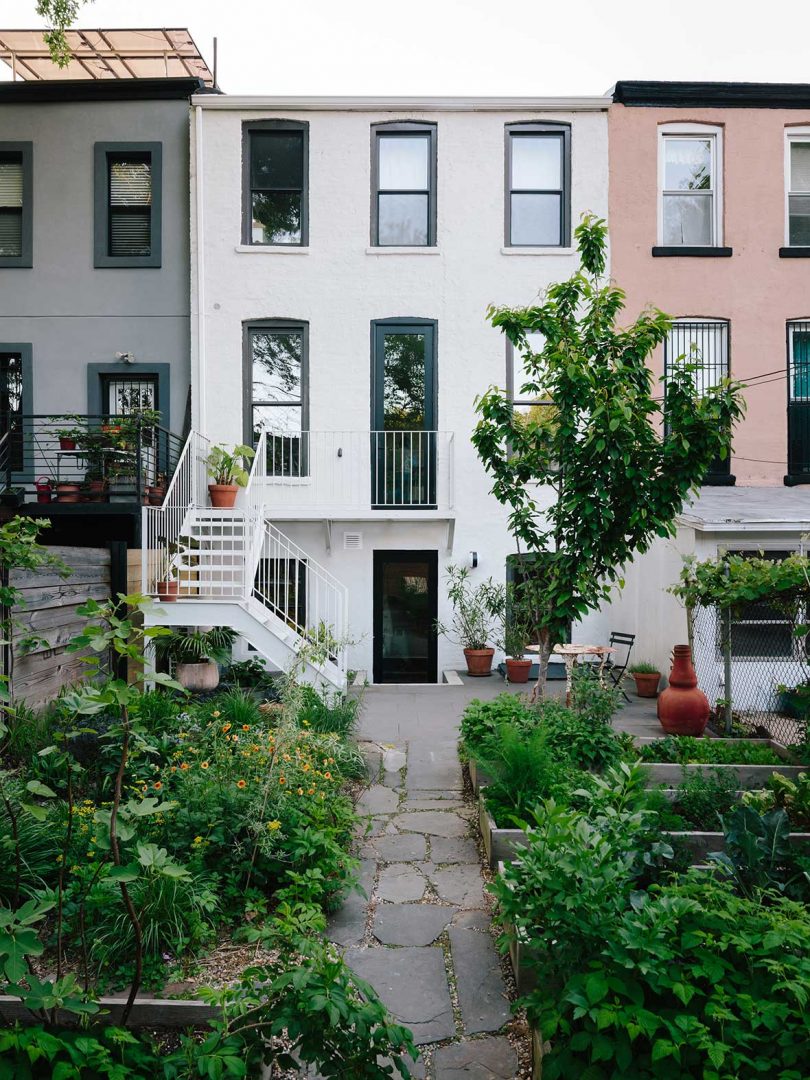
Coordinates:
(96,491)
(66,443)
(223,496)
(479,661)
(68,493)
(517,671)
(501,845)
(646,683)
(155,495)
(198,676)
(168,591)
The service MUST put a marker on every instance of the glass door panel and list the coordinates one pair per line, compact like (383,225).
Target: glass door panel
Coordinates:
(405,609)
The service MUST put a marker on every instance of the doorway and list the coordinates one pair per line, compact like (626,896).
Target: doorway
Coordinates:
(405,611)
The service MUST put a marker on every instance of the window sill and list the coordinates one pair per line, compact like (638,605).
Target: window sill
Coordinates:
(271,249)
(796,479)
(719,480)
(9,262)
(537,251)
(692,252)
(402,251)
(794,252)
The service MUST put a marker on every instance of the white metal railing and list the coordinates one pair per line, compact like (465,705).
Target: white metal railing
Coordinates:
(303,594)
(358,470)
(165,545)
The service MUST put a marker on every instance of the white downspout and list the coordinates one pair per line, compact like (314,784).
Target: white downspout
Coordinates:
(199,399)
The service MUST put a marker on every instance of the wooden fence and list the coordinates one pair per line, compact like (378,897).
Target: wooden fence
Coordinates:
(49,612)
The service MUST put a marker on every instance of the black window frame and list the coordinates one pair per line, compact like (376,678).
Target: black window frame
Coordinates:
(278,326)
(545,129)
(248,128)
(22,471)
(102,259)
(719,474)
(404,127)
(25,152)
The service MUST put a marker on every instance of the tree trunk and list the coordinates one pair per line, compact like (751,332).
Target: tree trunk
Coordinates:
(543,654)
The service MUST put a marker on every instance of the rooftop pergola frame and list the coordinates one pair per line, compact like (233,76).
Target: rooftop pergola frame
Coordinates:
(106,54)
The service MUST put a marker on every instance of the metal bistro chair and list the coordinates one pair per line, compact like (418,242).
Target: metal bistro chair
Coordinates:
(613,666)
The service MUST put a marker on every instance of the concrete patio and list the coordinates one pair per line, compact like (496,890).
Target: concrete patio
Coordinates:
(421,934)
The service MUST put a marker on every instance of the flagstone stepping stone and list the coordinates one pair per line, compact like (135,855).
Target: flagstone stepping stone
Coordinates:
(473,920)
(377,799)
(481,991)
(446,796)
(404,847)
(492,1058)
(410,924)
(347,926)
(433,804)
(413,984)
(400,882)
(444,849)
(461,884)
(394,760)
(432,822)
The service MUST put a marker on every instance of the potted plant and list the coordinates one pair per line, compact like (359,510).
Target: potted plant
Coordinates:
(229,471)
(68,492)
(69,430)
(517,635)
(156,493)
(196,655)
(168,588)
(12,496)
(647,677)
(477,614)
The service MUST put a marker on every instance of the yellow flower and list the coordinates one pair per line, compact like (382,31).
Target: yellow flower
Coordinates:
(157,785)
(225,727)
(241,784)
(203,764)
(197,841)
(287,757)
(300,791)
(305,723)
(216,714)
(281,780)
(311,791)
(306,768)
(183,765)
(327,776)
(245,727)
(273,826)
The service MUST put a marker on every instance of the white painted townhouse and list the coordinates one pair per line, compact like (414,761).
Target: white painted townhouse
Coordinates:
(344,252)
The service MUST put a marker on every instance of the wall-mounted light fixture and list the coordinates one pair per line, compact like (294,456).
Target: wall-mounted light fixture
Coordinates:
(473,557)
(125,357)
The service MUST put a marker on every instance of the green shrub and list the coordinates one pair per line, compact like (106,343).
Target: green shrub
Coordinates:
(703,799)
(34,1053)
(525,768)
(237,707)
(481,721)
(329,714)
(28,732)
(586,742)
(689,981)
(594,697)
(38,847)
(644,667)
(759,857)
(158,710)
(783,793)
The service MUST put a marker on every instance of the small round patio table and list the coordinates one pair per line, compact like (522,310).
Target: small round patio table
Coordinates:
(572,653)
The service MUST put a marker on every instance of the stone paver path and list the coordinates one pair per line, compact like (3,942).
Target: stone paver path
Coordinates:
(421,935)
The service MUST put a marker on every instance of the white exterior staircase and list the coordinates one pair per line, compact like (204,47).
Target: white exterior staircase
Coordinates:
(235,568)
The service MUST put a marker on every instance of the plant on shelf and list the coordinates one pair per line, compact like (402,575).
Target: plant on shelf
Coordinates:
(229,471)
(477,616)
(646,677)
(196,655)
(70,430)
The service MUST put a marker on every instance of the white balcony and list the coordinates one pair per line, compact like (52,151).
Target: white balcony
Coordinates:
(359,474)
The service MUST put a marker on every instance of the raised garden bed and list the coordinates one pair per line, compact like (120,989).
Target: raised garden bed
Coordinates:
(478,776)
(749,776)
(500,845)
(146,1012)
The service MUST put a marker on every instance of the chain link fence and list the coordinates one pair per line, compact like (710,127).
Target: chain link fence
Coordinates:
(749,662)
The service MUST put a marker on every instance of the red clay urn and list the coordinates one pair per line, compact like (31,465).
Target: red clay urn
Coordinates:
(683,709)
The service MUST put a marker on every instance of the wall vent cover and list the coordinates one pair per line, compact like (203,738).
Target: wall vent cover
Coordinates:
(352,541)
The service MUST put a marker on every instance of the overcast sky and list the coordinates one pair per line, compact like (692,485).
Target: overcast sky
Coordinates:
(470,46)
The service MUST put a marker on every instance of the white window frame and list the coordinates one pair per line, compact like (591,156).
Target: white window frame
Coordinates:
(714,133)
(793,134)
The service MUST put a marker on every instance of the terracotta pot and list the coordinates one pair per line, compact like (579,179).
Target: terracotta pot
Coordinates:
(683,709)
(168,590)
(518,670)
(223,495)
(479,661)
(68,493)
(646,682)
(198,676)
(96,490)
(66,444)
(155,495)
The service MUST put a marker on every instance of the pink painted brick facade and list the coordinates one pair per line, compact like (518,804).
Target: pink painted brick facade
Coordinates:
(754,289)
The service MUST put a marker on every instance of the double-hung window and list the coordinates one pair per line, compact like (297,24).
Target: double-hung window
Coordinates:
(277,378)
(16,204)
(538,183)
(128,204)
(690,193)
(528,404)
(703,345)
(276,165)
(403,169)
(797,169)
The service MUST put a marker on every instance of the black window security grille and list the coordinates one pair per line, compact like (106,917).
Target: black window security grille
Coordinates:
(130,204)
(798,361)
(704,346)
(277,185)
(11,407)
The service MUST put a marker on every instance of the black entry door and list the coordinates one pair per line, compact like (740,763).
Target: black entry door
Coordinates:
(405,610)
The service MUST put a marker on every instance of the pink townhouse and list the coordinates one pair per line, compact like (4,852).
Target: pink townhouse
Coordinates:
(709,204)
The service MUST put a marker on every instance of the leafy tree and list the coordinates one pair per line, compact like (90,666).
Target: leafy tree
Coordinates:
(60,15)
(620,461)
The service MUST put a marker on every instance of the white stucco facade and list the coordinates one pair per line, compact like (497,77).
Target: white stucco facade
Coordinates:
(338,284)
